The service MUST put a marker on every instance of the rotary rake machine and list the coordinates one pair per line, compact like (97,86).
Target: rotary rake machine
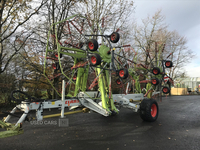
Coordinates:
(95,66)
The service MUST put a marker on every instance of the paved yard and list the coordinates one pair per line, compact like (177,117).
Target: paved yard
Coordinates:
(177,127)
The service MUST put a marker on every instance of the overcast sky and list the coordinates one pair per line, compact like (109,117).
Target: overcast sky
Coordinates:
(182,16)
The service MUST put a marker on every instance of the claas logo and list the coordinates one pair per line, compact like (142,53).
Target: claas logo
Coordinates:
(71,101)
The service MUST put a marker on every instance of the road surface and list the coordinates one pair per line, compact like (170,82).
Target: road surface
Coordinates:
(177,127)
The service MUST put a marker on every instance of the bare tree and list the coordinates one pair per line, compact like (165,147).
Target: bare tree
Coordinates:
(13,15)
(53,11)
(105,16)
(180,54)
(155,42)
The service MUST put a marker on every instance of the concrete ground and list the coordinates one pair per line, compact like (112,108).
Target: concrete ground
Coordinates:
(177,128)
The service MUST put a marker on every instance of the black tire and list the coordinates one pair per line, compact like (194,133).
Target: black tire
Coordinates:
(92,45)
(80,44)
(95,59)
(74,77)
(56,66)
(123,73)
(114,37)
(149,110)
(156,70)
(165,90)
(168,64)
(155,81)
(118,81)
(130,89)
(56,55)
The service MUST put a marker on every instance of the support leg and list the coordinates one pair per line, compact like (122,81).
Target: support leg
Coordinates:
(9,116)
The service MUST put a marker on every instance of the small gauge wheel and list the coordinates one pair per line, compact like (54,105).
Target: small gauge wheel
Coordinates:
(92,45)
(156,70)
(123,73)
(114,37)
(165,90)
(155,81)
(168,64)
(95,59)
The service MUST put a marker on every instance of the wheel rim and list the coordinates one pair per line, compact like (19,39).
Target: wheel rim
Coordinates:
(56,55)
(118,82)
(74,77)
(154,81)
(153,110)
(113,37)
(155,71)
(54,66)
(121,73)
(165,90)
(91,45)
(167,64)
(93,60)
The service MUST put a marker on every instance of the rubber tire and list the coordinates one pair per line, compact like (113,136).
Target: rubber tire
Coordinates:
(98,59)
(95,44)
(125,73)
(80,45)
(56,66)
(157,81)
(145,110)
(156,69)
(116,37)
(130,89)
(118,80)
(168,90)
(73,78)
(168,61)
(56,55)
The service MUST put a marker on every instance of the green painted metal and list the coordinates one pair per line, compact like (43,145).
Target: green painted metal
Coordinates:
(103,51)
(79,80)
(102,89)
(148,86)
(84,79)
(104,83)
(49,35)
(11,129)
(9,133)
(111,102)
(136,80)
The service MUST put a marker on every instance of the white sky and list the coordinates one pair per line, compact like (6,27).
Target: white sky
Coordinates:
(182,16)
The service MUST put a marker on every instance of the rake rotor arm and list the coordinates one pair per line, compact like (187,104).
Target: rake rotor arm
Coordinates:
(125,58)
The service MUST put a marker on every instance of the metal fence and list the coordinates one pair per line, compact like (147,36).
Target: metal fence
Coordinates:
(191,85)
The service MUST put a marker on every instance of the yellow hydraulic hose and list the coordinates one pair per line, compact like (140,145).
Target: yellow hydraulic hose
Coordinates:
(66,113)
